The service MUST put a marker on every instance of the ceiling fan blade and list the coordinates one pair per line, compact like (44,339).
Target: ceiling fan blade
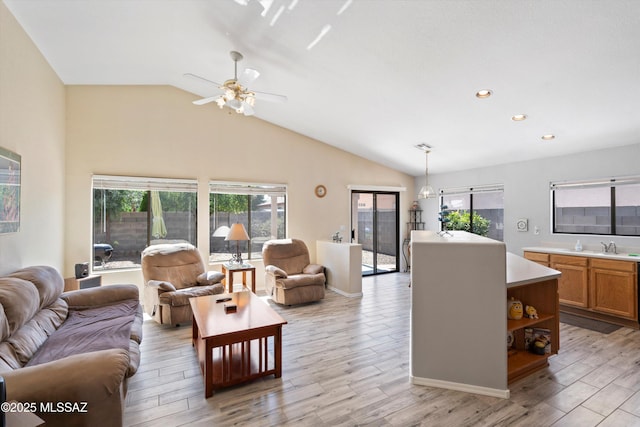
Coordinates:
(201,79)
(247,109)
(271,97)
(248,76)
(205,100)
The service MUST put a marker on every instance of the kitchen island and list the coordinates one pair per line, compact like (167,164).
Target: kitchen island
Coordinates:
(459,327)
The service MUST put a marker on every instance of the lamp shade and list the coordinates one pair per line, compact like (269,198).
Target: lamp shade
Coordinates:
(237,232)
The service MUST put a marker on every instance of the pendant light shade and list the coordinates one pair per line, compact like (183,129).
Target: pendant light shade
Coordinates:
(426,192)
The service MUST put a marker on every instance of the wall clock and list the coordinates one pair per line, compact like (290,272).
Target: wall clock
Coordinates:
(320,191)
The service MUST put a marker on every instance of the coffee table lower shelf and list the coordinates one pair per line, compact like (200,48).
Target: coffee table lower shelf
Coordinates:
(241,357)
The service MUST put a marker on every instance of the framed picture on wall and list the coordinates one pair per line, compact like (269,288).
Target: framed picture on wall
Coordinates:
(9,191)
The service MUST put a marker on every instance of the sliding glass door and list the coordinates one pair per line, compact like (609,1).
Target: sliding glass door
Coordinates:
(374,224)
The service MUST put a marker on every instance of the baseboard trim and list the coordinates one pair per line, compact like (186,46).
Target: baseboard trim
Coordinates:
(467,388)
(345,294)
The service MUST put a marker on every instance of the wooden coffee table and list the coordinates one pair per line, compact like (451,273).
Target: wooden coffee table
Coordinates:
(234,347)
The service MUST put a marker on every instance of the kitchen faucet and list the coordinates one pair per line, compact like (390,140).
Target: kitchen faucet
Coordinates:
(611,247)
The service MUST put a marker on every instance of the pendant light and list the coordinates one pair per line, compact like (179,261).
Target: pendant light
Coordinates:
(426,192)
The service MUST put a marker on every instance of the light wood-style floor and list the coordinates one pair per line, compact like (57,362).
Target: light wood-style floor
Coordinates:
(346,363)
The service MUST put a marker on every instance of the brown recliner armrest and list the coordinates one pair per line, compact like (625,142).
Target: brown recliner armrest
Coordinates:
(276,271)
(313,269)
(161,285)
(100,296)
(209,278)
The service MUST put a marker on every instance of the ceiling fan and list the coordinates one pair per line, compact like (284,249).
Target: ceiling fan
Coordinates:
(235,94)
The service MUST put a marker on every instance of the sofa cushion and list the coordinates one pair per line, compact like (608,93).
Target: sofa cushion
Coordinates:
(92,329)
(20,300)
(27,340)
(47,281)
(4,325)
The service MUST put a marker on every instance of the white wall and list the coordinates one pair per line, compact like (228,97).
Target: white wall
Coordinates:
(526,192)
(32,124)
(156,131)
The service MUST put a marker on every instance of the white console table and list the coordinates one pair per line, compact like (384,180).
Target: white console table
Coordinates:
(343,266)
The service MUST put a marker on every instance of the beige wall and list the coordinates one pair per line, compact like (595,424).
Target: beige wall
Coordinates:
(156,131)
(32,124)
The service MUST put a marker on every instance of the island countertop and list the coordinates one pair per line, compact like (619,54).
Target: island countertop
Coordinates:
(521,271)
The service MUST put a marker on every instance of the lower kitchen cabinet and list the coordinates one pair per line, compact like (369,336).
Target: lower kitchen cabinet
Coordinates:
(594,287)
(573,286)
(614,288)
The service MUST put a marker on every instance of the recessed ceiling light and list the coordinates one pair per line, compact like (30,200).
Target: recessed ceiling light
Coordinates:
(484,93)
(548,137)
(519,117)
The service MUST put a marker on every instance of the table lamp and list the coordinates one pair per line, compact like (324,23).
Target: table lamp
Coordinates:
(237,233)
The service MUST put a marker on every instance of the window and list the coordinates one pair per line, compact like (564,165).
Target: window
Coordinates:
(603,207)
(261,208)
(486,203)
(130,213)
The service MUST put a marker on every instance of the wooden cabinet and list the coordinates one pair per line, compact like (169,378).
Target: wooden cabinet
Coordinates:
(573,285)
(604,289)
(540,258)
(73,284)
(613,287)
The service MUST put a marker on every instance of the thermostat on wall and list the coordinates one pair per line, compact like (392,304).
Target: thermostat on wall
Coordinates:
(522,224)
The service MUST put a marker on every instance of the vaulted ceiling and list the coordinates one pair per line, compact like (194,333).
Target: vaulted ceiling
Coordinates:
(377,77)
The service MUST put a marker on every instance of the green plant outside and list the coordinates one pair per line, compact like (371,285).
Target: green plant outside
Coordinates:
(460,220)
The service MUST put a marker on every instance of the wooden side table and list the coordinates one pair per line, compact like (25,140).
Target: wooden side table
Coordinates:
(229,269)
(73,284)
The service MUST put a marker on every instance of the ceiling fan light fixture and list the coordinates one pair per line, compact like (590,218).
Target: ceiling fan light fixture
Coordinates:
(235,103)
(234,94)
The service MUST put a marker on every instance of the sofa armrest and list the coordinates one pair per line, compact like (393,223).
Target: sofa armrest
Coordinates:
(313,269)
(103,295)
(161,285)
(89,377)
(209,278)
(276,271)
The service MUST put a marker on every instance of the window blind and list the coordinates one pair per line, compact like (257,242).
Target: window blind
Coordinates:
(222,187)
(607,182)
(142,183)
(493,188)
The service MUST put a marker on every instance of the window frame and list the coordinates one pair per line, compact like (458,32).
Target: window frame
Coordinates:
(470,191)
(610,183)
(248,189)
(138,183)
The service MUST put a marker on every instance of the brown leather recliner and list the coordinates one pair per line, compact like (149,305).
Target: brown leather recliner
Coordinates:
(172,274)
(290,278)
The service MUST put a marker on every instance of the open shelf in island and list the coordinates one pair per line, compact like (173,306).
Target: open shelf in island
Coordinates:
(522,363)
(543,295)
